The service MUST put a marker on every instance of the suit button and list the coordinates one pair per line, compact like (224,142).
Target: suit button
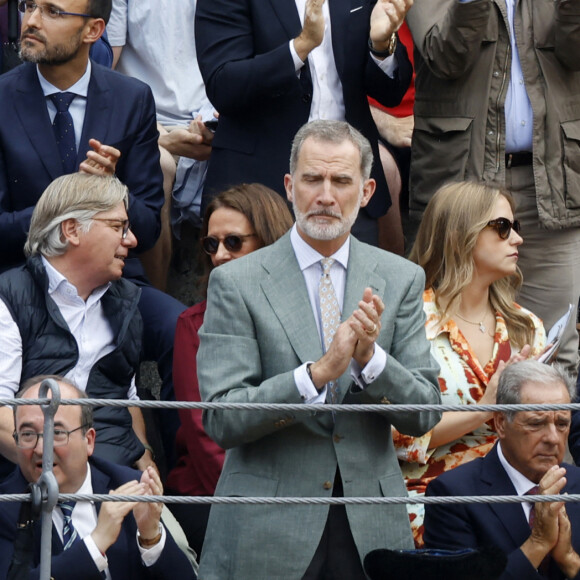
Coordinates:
(306,98)
(385,401)
(327,485)
(337,438)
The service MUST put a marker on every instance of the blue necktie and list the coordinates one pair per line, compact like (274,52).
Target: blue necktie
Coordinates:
(69,534)
(64,131)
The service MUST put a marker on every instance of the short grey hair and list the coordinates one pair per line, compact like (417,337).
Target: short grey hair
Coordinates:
(516,375)
(76,196)
(333,132)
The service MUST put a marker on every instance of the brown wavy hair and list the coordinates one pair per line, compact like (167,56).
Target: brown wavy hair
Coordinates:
(453,220)
(265,209)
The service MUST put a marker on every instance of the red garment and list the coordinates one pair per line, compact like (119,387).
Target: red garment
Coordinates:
(405,108)
(199,458)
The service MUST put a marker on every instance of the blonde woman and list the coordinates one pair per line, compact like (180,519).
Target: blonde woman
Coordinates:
(468,246)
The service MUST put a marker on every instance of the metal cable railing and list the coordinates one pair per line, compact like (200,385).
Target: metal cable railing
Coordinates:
(295,407)
(44,495)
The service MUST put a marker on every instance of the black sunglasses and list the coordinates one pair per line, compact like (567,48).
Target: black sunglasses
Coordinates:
(232,242)
(503,227)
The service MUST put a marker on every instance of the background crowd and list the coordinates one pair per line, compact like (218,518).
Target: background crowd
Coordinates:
(446,131)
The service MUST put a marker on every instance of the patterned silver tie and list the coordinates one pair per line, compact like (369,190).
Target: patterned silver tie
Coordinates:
(329,315)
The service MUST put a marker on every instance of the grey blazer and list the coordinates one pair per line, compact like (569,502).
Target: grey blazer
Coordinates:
(259,326)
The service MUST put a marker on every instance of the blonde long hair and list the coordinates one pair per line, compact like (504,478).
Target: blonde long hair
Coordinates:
(453,220)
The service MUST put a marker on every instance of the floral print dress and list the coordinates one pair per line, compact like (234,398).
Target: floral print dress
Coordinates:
(462,380)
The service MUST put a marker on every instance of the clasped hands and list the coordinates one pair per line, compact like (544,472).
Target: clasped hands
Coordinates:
(354,339)
(193,141)
(147,515)
(552,531)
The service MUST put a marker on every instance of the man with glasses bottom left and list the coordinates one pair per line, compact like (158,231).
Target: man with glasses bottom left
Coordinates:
(68,311)
(108,540)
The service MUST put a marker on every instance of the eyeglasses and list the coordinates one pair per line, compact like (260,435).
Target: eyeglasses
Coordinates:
(503,227)
(29,439)
(120,225)
(47,12)
(232,243)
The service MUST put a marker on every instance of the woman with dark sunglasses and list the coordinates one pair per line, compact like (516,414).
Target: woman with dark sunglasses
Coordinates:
(468,245)
(238,221)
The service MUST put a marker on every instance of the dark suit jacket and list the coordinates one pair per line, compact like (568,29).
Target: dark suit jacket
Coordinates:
(455,526)
(245,61)
(124,557)
(120,112)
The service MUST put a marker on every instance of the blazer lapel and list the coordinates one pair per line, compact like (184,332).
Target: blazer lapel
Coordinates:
(495,481)
(30,104)
(288,15)
(97,114)
(290,20)
(286,292)
(100,482)
(339,13)
(360,275)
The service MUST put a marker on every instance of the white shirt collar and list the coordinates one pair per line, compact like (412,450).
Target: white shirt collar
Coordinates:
(307,255)
(80,88)
(58,283)
(521,483)
(87,486)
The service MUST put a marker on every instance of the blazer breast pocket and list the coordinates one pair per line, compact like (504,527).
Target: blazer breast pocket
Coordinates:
(248,485)
(358,15)
(392,485)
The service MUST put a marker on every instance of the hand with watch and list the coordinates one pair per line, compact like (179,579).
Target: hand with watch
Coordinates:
(391,47)
(386,18)
(148,515)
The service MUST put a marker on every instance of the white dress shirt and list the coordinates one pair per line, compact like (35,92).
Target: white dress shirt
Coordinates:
(521,483)
(86,321)
(327,97)
(159,49)
(309,262)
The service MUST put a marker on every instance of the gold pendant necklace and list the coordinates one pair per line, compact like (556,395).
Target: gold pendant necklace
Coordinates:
(482,327)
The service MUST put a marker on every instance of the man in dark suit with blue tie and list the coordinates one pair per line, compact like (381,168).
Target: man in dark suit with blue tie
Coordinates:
(109,127)
(540,540)
(113,540)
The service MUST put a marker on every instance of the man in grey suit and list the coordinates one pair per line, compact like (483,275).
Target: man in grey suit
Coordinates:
(268,319)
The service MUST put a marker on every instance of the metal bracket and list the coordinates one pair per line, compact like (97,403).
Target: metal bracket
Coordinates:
(44,493)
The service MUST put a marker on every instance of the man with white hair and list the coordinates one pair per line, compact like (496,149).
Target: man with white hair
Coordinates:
(540,540)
